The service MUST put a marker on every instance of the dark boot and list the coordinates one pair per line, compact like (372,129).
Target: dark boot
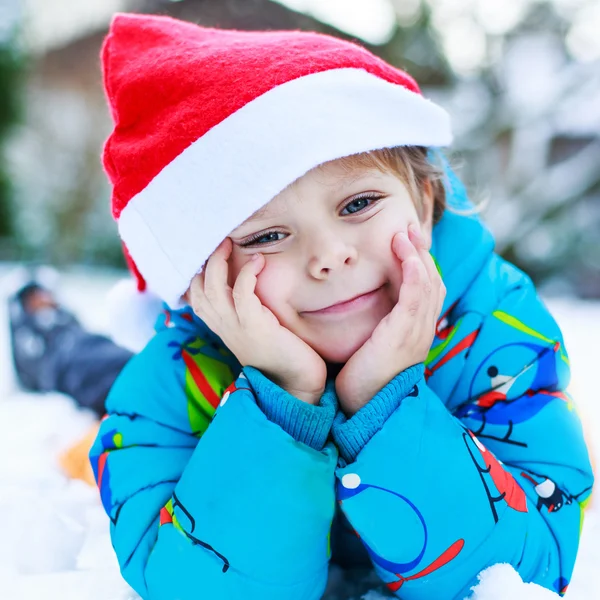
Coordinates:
(52,352)
(34,319)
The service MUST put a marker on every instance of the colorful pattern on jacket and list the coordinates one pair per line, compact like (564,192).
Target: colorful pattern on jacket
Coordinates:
(482,462)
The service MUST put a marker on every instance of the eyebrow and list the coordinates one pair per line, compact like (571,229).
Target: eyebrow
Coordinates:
(261,213)
(346,179)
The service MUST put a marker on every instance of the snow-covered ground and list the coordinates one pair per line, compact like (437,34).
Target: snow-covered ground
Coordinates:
(54,542)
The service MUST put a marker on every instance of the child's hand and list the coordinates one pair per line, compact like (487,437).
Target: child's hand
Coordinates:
(251,331)
(403,338)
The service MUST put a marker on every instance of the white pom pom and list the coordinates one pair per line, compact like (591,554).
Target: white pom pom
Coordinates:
(132,314)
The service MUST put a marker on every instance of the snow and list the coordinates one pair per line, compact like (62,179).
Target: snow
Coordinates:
(55,543)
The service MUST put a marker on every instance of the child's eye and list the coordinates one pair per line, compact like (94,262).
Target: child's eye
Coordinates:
(260,239)
(357,205)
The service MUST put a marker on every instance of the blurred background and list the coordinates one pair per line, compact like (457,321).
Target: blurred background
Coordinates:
(521,79)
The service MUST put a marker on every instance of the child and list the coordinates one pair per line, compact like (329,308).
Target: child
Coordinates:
(351,386)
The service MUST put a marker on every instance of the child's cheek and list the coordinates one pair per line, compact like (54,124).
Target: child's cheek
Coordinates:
(266,288)
(272,288)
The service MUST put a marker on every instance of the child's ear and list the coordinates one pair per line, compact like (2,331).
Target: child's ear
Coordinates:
(427,205)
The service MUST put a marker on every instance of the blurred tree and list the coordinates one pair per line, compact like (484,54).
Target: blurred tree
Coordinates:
(11,67)
(528,132)
(523,102)
(415,47)
(63,213)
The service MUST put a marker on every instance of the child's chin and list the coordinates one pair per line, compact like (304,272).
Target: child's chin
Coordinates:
(339,353)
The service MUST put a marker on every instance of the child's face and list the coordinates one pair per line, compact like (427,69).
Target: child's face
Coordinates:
(327,239)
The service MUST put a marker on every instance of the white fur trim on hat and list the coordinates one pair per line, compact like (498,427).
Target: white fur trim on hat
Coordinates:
(243,162)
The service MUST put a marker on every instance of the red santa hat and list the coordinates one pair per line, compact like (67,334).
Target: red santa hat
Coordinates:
(211,124)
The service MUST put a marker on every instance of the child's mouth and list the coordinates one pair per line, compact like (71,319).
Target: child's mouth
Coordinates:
(357,303)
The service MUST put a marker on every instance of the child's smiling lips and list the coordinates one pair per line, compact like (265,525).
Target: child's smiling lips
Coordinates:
(361,301)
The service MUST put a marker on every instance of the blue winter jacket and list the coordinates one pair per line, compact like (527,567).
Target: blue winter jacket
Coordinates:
(474,458)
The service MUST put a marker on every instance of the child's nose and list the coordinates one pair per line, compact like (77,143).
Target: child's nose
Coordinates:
(329,255)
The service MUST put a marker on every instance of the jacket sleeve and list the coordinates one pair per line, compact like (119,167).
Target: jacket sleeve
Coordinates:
(233,507)
(436,497)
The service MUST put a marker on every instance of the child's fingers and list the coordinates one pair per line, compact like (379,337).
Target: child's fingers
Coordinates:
(418,241)
(441,298)
(414,293)
(418,297)
(415,289)
(247,304)
(216,286)
(416,237)
(198,301)
(196,291)
(413,268)
(438,288)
